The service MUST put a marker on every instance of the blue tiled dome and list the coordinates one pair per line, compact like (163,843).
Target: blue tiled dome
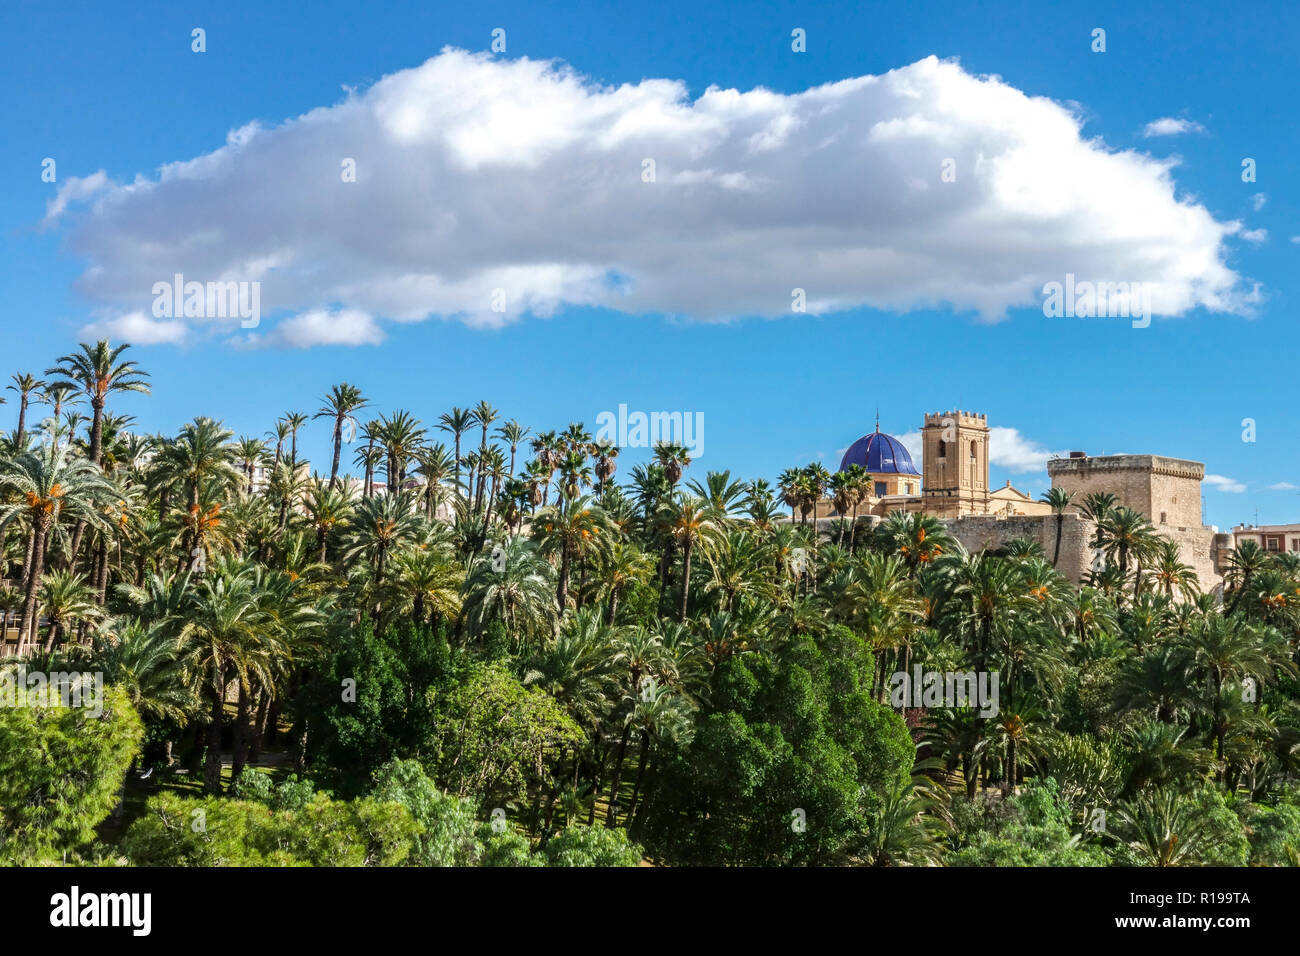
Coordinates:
(879,453)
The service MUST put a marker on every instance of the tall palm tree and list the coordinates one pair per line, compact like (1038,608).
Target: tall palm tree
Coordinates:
(402,436)
(457,421)
(224,626)
(673,459)
(341,406)
(49,484)
(24,384)
(96,372)
(250,453)
(605,453)
(483,416)
(571,534)
(1058,499)
(690,522)
(435,465)
(294,421)
(512,433)
(1246,561)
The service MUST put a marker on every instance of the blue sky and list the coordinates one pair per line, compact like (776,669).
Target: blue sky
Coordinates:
(122,92)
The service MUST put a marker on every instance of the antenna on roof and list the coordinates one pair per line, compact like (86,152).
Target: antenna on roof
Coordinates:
(877,416)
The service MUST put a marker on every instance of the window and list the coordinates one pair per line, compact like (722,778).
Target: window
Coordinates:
(1295,544)
(943,448)
(880,489)
(1270,544)
(974,450)
(1164,517)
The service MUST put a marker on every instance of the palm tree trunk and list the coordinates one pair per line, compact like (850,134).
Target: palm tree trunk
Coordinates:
(239,755)
(640,773)
(562,591)
(338,448)
(686,576)
(612,811)
(212,766)
(27,628)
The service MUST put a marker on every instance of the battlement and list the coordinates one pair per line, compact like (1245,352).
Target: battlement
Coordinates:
(963,418)
(1149,464)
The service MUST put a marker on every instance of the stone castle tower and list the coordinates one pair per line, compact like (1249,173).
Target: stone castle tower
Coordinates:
(955,463)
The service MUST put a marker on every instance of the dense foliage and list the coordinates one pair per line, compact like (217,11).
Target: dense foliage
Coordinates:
(488,651)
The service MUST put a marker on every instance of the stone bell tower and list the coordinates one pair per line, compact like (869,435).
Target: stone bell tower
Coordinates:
(955,464)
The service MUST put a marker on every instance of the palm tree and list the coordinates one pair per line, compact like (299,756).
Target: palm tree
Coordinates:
(66,600)
(341,405)
(571,534)
(625,565)
(24,385)
(280,432)
(250,452)
(225,634)
(512,433)
(521,595)
(432,579)
(1162,828)
(658,713)
(380,526)
(435,465)
(96,372)
(1246,561)
(906,827)
(1127,533)
(369,456)
(202,454)
(1058,499)
(49,484)
(457,421)
(673,459)
(294,421)
(402,436)
(690,522)
(605,453)
(1097,505)
(327,507)
(1170,573)
(483,415)
(1224,650)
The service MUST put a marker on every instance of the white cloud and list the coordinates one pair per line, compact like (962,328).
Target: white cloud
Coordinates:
(138,328)
(1169,126)
(1221,483)
(1007,449)
(322,327)
(1296,239)
(1016,453)
(1258,200)
(74,189)
(1284,486)
(1254,235)
(478,176)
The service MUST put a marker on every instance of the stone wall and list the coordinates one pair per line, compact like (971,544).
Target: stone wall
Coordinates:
(1166,490)
(1198,547)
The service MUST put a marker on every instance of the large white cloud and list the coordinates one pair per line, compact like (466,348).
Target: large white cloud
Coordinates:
(475,174)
